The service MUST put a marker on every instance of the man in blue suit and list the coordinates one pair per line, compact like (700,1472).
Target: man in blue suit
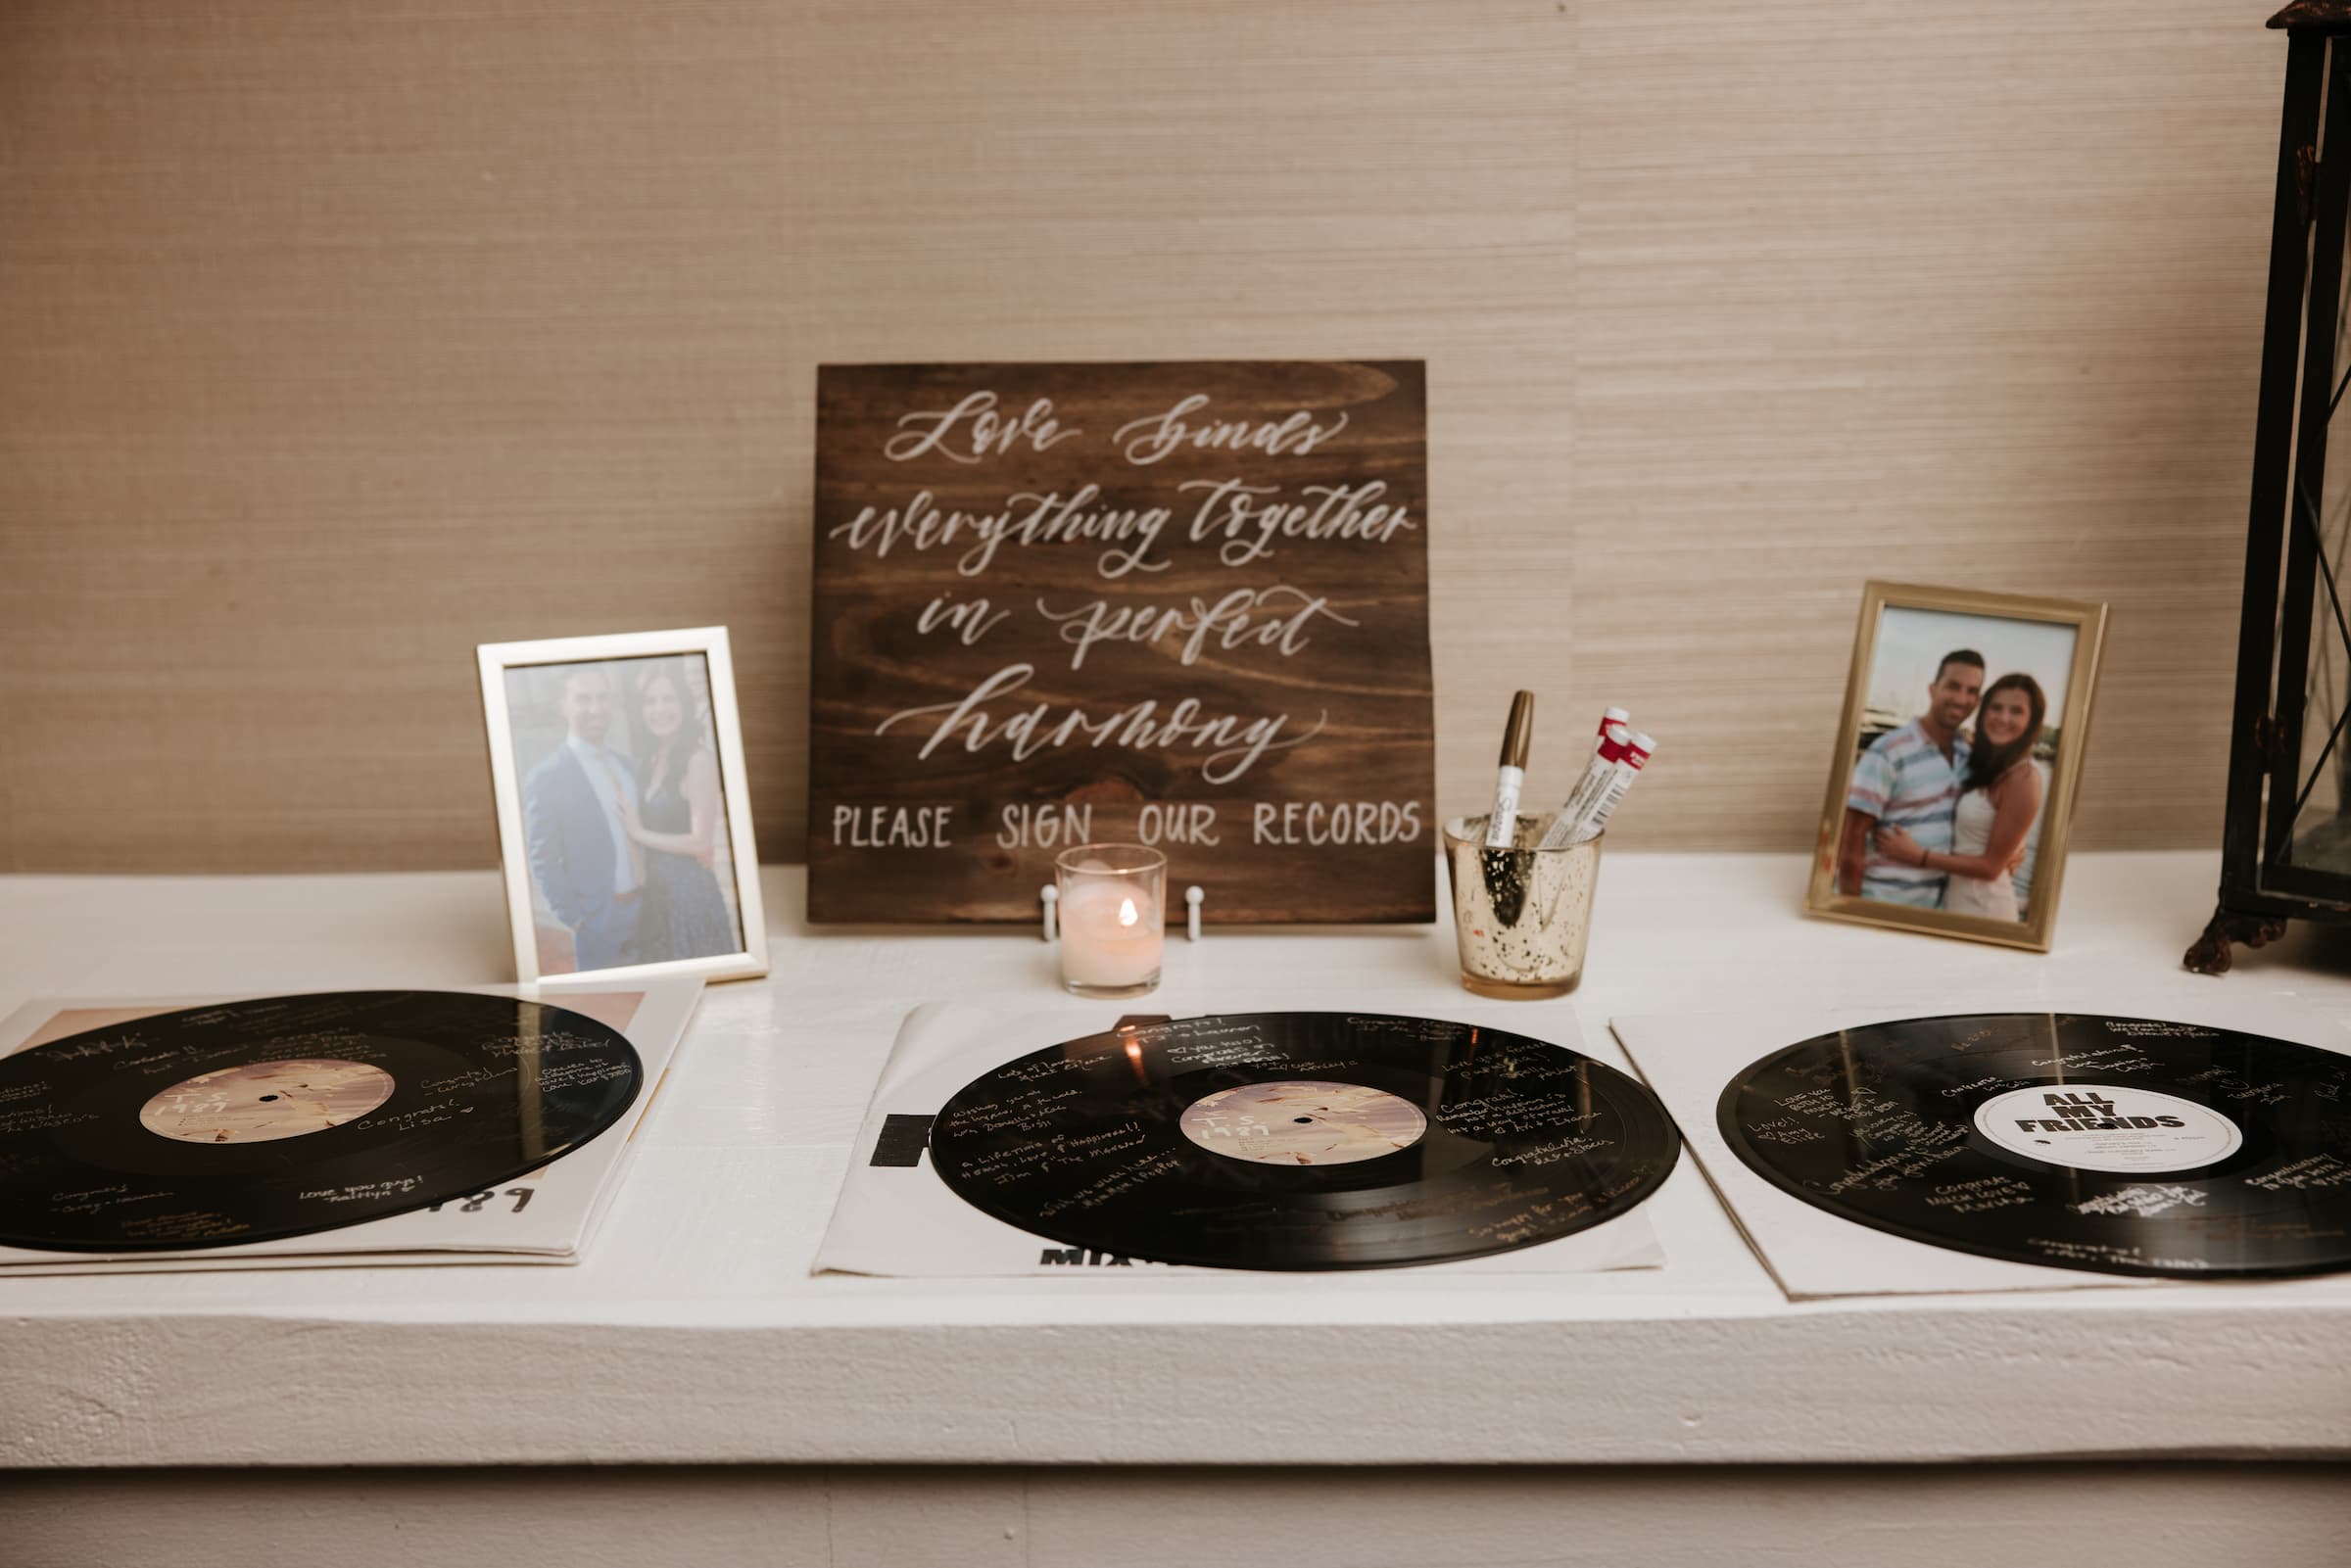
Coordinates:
(588,868)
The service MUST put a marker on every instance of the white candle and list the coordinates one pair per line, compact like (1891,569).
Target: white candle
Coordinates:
(1110,933)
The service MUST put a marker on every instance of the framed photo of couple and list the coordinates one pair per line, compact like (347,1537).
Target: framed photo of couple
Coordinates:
(1951,789)
(623,818)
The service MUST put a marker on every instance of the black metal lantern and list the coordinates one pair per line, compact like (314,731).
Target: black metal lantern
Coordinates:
(2286,850)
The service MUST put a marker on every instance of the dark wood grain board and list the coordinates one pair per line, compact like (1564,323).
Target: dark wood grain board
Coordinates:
(1172,603)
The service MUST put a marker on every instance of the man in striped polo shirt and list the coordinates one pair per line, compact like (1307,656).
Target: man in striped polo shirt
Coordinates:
(1909,778)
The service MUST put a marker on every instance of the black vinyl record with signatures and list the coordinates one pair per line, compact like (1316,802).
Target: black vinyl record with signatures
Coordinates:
(1304,1141)
(2118,1145)
(248,1122)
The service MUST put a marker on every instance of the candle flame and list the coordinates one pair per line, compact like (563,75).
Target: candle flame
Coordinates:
(1127,914)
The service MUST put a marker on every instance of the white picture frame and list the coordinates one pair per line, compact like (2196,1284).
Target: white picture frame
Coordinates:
(547,800)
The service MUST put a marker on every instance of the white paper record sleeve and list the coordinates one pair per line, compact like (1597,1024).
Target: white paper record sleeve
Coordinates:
(545,1216)
(1911,1151)
(896,1216)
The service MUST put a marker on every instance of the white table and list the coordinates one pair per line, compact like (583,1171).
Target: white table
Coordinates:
(692,1336)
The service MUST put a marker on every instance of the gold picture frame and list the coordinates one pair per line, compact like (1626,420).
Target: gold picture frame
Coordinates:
(2016,641)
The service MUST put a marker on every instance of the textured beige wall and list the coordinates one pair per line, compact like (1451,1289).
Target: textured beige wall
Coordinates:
(335,338)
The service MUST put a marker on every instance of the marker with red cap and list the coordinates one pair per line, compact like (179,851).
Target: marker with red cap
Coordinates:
(1587,824)
(1614,737)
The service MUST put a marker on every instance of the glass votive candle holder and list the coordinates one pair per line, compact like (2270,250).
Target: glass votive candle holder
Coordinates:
(1113,918)
(1521,914)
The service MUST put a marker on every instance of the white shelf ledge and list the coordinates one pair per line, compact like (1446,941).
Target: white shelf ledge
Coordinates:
(694,1332)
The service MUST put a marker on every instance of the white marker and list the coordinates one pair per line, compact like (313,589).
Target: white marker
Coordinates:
(1502,823)
(1590,787)
(1637,753)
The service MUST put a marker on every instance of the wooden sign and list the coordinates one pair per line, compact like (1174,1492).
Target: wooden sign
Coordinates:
(1179,605)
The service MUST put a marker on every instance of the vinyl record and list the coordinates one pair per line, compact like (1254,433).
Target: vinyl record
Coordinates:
(1303,1141)
(2122,1146)
(252,1120)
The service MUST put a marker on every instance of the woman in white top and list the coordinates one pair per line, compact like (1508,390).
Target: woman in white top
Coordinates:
(1999,799)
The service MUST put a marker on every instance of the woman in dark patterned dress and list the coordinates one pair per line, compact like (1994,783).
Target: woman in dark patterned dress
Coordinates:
(682,825)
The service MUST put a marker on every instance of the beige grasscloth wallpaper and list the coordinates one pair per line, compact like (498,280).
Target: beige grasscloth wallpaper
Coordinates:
(337,337)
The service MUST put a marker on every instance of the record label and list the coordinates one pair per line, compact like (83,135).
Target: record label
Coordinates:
(1303,1122)
(1303,1141)
(281,1116)
(2108,1126)
(2113,1145)
(263,1101)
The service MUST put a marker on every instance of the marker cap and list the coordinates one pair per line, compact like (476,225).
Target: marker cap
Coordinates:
(1518,737)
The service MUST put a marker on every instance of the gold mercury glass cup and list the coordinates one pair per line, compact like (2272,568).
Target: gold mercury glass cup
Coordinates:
(1521,913)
